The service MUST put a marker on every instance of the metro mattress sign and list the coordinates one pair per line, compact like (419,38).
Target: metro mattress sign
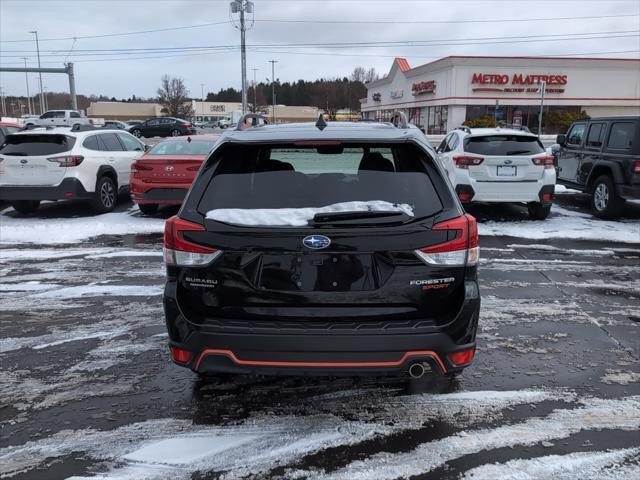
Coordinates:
(518,82)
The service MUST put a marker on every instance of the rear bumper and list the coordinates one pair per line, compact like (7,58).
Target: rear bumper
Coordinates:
(68,189)
(160,196)
(272,350)
(629,192)
(495,192)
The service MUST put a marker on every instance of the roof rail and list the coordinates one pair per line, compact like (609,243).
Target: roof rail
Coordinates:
(464,128)
(254,117)
(79,127)
(399,120)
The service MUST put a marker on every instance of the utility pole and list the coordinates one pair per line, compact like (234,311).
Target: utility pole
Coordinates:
(255,95)
(242,7)
(202,100)
(26,79)
(543,87)
(3,106)
(273,90)
(40,73)
(46,104)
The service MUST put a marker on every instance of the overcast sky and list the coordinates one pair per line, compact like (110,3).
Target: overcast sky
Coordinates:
(121,72)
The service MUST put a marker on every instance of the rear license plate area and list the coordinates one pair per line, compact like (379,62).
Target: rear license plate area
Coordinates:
(507,171)
(317,272)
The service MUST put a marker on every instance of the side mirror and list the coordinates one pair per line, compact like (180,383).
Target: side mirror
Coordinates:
(146,147)
(561,140)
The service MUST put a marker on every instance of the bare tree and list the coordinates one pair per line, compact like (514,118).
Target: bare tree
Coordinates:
(371,75)
(358,74)
(174,97)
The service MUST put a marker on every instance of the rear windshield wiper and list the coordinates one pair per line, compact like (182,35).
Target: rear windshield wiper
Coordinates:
(357,215)
(17,154)
(518,152)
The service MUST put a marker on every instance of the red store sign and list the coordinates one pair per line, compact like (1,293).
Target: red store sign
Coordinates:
(423,87)
(518,82)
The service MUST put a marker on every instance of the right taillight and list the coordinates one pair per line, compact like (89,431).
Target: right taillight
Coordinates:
(181,252)
(462,249)
(67,160)
(545,161)
(636,166)
(466,161)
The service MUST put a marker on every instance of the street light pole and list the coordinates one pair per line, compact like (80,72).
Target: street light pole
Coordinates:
(39,73)
(26,79)
(543,87)
(46,104)
(202,100)
(255,95)
(273,90)
(242,7)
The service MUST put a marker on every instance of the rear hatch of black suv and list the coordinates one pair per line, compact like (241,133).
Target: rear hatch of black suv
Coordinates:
(324,235)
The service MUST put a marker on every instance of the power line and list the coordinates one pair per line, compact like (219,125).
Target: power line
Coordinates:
(378,44)
(354,22)
(435,22)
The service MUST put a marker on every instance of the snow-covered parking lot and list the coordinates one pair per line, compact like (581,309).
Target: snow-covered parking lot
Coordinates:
(88,389)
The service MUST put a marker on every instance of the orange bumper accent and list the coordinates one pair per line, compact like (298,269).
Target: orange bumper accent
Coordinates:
(268,363)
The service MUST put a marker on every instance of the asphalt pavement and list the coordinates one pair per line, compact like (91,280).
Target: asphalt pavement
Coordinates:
(88,388)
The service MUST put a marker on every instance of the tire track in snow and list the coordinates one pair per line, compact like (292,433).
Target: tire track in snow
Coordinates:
(596,414)
(582,465)
(150,449)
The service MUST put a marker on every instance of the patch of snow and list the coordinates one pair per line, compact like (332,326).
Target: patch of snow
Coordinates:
(622,378)
(128,253)
(564,190)
(596,414)
(182,451)
(20,254)
(600,465)
(299,217)
(79,291)
(564,223)
(76,229)
(31,286)
(568,251)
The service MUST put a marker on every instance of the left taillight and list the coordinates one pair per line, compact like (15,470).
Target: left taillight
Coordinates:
(545,161)
(181,252)
(462,249)
(67,160)
(465,161)
(636,166)
(137,167)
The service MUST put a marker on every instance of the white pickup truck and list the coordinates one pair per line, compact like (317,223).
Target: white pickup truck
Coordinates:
(63,118)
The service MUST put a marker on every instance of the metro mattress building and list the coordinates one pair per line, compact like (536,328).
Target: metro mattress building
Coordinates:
(441,95)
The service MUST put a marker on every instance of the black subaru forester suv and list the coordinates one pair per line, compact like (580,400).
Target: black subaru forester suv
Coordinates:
(322,249)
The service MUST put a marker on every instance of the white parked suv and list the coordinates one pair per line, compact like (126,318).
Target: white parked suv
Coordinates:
(62,163)
(499,165)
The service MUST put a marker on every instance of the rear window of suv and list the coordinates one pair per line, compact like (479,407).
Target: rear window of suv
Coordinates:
(285,182)
(503,145)
(35,145)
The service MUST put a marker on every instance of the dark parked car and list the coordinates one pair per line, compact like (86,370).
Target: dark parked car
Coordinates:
(163,127)
(322,249)
(601,157)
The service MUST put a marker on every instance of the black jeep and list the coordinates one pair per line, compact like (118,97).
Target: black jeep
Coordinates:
(601,157)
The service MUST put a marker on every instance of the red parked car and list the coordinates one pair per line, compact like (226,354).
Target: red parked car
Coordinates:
(163,175)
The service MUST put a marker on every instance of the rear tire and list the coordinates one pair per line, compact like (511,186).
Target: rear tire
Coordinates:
(175,132)
(148,208)
(605,201)
(106,195)
(136,133)
(538,211)
(26,206)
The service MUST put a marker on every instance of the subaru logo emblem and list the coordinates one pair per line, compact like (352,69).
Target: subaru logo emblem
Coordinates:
(23,161)
(508,162)
(169,168)
(316,242)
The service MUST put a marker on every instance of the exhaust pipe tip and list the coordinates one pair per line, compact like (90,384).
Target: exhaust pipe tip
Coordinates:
(416,370)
